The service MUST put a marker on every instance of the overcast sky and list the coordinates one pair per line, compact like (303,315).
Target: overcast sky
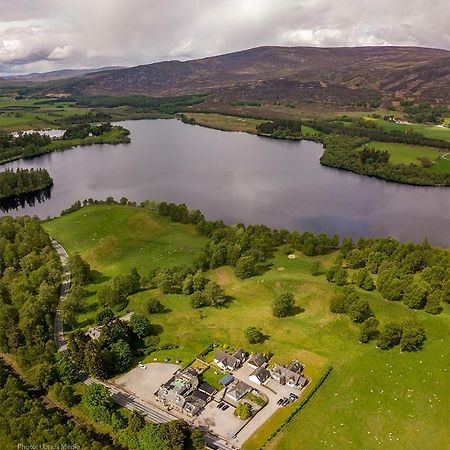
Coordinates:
(43,35)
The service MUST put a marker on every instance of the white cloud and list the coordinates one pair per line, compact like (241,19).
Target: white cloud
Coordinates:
(60,53)
(53,34)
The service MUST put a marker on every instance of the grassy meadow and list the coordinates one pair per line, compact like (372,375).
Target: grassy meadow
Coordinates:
(429,131)
(411,154)
(25,114)
(225,122)
(372,398)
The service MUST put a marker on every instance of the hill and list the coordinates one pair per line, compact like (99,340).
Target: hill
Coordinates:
(340,76)
(38,77)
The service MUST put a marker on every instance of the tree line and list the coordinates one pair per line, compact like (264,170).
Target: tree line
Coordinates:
(370,131)
(165,105)
(82,131)
(246,248)
(280,128)
(345,152)
(23,181)
(22,145)
(424,112)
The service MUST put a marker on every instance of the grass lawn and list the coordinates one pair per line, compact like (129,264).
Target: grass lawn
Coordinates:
(213,378)
(372,398)
(410,154)
(429,131)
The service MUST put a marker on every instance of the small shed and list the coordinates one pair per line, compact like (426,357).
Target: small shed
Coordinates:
(226,379)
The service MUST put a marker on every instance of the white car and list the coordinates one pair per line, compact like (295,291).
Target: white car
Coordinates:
(142,366)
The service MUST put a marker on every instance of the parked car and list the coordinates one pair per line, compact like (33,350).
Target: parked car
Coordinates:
(219,405)
(293,396)
(225,407)
(280,401)
(142,366)
(286,401)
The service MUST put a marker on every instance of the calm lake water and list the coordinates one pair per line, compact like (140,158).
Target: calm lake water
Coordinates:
(241,178)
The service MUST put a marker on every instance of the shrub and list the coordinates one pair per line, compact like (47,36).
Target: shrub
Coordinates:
(254,335)
(283,305)
(243,411)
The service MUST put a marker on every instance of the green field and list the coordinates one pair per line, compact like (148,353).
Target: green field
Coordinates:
(429,131)
(410,154)
(372,399)
(25,114)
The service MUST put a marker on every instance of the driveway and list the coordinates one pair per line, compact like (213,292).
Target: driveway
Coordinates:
(145,382)
(274,392)
(222,423)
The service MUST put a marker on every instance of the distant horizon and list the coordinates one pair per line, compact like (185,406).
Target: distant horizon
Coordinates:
(118,66)
(39,36)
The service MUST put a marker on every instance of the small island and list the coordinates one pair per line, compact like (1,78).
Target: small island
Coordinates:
(23,181)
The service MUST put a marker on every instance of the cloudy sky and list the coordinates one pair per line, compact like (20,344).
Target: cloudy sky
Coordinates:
(43,35)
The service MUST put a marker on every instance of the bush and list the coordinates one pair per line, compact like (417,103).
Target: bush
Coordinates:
(413,336)
(283,305)
(140,325)
(390,336)
(66,394)
(154,306)
(243,411)
(197,438)
(97,402)
(360,311)
(369,330)
(245,267)
(254,335)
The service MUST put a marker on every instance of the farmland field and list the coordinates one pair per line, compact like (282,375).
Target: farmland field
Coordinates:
(26,114)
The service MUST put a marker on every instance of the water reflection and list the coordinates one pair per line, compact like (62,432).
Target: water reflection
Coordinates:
(238,177)
(20,201)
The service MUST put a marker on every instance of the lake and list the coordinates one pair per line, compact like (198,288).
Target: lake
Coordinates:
(239,177)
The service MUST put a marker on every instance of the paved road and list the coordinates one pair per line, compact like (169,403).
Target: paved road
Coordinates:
(60,341)
(118,394)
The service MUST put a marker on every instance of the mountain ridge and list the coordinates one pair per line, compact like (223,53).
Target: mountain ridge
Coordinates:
(388,72)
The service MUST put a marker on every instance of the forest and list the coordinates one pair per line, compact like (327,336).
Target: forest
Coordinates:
(424,112)
(23,181)
(25,144)
(31,274)
(165,105)
(24,421)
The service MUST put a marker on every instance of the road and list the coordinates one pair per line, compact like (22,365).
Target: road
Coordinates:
(119,395)
(60,341)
